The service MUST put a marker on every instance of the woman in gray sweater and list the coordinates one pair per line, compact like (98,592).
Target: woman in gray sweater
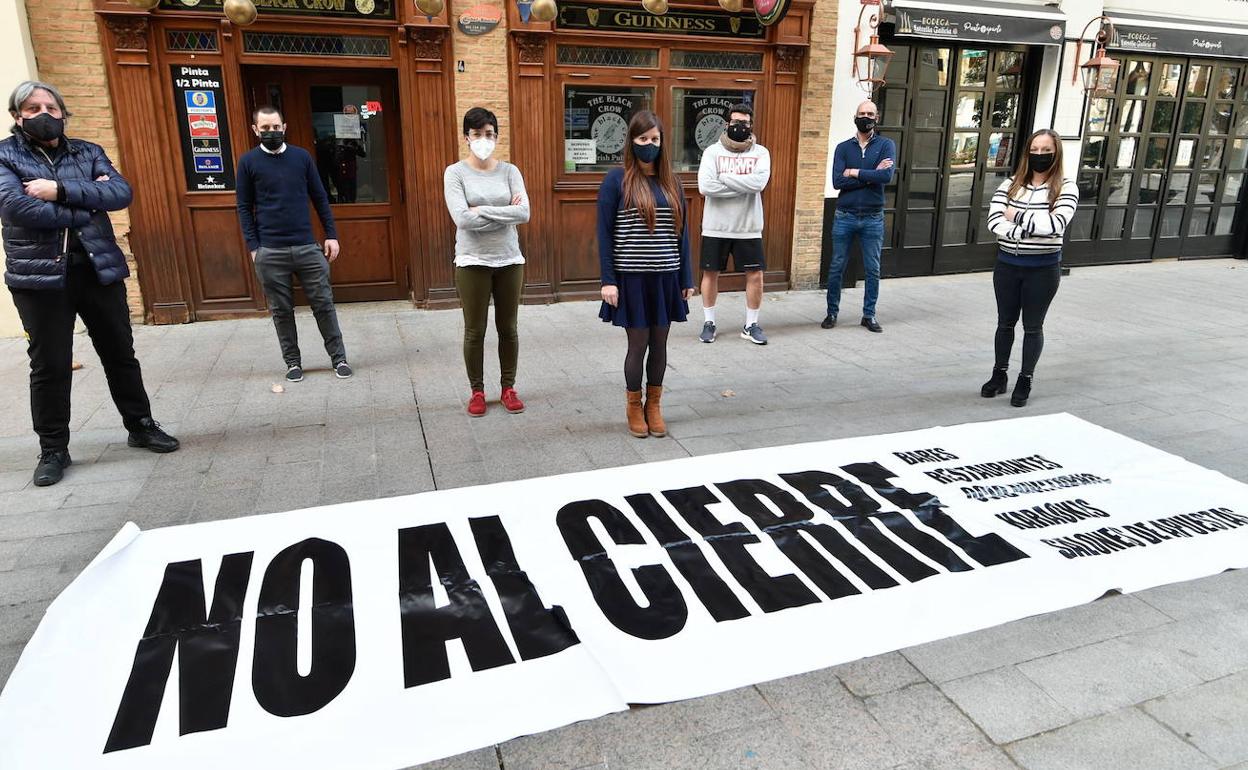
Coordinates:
(486,199)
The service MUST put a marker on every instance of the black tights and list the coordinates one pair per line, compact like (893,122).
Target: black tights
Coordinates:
(640,339)
(1025,291)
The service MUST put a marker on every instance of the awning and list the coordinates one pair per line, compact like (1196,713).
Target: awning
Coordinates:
(1154,34)
(981,22)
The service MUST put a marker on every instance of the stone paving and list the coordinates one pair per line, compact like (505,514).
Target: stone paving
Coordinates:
(1157,352)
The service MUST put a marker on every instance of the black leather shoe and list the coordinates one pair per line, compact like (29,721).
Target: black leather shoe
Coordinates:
(1022,390)
(872,325)
(150,436)
(51,467)
(996,385)
(828,322)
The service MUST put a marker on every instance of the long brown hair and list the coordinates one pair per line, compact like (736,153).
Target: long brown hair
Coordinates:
(1022,174)
(637,192)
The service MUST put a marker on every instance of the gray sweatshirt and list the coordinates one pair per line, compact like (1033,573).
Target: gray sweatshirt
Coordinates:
(731,182)
(486,235)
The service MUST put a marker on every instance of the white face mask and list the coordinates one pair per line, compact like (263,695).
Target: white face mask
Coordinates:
(482,148)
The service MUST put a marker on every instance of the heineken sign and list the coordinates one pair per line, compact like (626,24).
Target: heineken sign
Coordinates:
(351,9)
(617,18)
(978,27)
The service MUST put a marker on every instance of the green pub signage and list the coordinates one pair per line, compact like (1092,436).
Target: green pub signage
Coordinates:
(621,18)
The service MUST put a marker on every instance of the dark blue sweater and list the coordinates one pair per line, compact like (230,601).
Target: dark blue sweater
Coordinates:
(864,193)
(641,247)
(273,193)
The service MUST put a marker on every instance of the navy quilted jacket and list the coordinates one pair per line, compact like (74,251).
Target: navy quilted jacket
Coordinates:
(36,233)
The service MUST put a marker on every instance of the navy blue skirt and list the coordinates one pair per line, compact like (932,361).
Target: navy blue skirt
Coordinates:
(647,299)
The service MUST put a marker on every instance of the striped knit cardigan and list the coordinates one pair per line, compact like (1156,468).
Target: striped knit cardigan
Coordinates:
(1034,237)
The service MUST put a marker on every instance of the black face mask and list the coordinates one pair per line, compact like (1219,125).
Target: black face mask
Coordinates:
(865,125)
(1041,162)
(272,140)
(44,127)
(739,132)
(646,153)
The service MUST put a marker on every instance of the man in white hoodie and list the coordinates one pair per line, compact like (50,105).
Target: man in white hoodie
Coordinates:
(732,176)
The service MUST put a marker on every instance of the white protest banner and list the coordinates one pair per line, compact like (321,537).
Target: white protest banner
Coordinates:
(385,633)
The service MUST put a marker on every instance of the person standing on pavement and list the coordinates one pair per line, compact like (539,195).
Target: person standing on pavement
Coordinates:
(487,200)
(732,176)
(643,253)
(1029,213)
(861,166)
(275,182)
(62,261)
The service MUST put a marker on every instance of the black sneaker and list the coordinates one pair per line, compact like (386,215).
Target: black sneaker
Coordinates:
(708,332)
(150,436)
(829,321)
(51,467)
(294,373)
(872,325)
(342,370)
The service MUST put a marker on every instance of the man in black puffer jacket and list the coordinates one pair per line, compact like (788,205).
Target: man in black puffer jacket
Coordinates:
(62,261)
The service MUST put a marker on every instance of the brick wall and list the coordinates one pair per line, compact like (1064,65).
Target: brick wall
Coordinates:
(69,55)
(812,154)
(483,83)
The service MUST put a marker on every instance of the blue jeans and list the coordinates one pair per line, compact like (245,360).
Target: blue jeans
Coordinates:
(869,228)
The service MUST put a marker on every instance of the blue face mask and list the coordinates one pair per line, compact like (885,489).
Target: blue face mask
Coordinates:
(646,153)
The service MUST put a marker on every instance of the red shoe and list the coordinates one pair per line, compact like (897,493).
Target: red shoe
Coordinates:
(511,401)
(476,404)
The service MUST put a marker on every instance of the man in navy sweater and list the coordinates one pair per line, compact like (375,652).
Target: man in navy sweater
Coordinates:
(275,182)
(861,166)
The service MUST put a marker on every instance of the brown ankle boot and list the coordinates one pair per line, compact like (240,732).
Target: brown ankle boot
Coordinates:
(654,417)
(636,417)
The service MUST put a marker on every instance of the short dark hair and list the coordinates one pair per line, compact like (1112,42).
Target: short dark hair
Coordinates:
(742,108)
(265,109)
(479,118)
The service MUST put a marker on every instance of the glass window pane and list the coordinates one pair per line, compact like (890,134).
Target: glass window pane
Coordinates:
(1228,79)
(922,189)
(1080,228)
(1193,116)
(1005,111)
(1198,225)
(973,67)
(1119,187)
(1125,157)
(1010,69)
(1220,120)
(892,105)
(1094,152)
(961,187)
(929,109)
(1089,189)
(965,148)
(1131,119)
(992,180)
(1187,149)
(1111,227)
(899,66)
(1136,78)
(1142,223)
(351,152)
(1001,150)
(601,56)
(934,67)
(919,229)
(1158,152)
(1241,121)
(1150,189)
(1163,118)
(896,137)
(595,124)
(1226,220)
(970,112)
(1211,153)
(1176,193)
(1171,223)
(1198,80)
(1239,154)
(699,116)
(1168,81)
(1098,114)
(1206,188)
(732,61)
(927,149)
(1234,183)
(957,225)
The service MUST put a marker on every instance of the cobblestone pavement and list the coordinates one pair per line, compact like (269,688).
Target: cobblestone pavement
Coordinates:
(1157,352)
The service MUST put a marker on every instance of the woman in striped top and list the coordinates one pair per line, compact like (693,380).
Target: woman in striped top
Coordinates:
(643,251)
(1029,214)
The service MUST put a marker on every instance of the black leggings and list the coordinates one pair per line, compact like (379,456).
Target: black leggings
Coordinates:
(1025,291)
(653,338)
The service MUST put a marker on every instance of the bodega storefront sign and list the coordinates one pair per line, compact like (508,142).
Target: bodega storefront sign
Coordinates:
(203,127)
(615,18)
(1159,36)
(920,20)
(372,9)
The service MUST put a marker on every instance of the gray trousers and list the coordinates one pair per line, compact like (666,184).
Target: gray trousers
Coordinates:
(274,267)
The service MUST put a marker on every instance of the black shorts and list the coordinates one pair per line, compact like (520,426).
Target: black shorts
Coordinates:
(747,254)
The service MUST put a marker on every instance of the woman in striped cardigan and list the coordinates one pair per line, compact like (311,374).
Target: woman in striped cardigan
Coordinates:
(1029,214)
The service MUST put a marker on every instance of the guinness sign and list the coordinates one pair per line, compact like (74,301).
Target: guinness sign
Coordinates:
(622,18)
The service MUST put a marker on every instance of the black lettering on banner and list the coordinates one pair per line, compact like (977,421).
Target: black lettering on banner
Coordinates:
(666,611)
(206,642)
(989,549)
(860,517)
(731,542)
(275,678)
(710,588)
(1144,532)
(920,456)
(787,529)
(538,631)
(426,627)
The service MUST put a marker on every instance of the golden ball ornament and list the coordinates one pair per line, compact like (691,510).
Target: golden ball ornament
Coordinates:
(731,6)
(241,12)
(545,10)
(430,7)
(657,7)
(146,5)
